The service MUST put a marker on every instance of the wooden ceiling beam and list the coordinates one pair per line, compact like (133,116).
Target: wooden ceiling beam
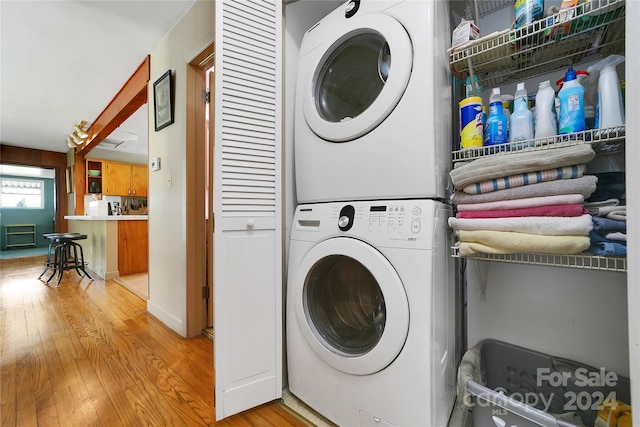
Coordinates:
(127,101)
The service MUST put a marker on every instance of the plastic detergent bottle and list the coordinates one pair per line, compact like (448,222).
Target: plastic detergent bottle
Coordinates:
(609,108)
(495,132)
(527,11)
(571,104)
(521,124)
(545,121)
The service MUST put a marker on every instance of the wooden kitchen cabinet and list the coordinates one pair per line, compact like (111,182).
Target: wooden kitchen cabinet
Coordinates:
(139,180)
(124,179)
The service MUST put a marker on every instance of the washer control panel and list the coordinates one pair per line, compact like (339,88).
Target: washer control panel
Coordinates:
(385,221)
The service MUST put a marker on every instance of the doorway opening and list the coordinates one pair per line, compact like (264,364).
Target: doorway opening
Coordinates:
(199,194)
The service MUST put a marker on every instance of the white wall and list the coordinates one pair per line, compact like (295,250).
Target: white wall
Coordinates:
(167,204)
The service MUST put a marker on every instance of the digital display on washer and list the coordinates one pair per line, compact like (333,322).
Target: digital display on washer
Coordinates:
(378,209)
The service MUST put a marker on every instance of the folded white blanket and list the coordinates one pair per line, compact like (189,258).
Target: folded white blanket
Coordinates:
(491,167)
(530,202)
(548,225)
(584,185)
(506,242)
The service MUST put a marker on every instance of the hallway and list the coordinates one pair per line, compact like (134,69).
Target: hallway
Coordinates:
(88,353)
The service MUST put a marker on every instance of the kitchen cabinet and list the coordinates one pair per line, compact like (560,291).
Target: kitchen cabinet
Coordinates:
(124,179)
(93,169)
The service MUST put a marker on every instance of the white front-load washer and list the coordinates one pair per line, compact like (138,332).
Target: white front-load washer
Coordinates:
(370,315)
(372,106)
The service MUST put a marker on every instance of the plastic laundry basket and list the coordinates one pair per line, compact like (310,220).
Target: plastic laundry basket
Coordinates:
(525,388)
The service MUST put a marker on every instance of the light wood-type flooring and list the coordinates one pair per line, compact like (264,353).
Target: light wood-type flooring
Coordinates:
(89,354)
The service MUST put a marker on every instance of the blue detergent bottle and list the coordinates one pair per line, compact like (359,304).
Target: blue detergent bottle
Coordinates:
(496,127)
(571,104)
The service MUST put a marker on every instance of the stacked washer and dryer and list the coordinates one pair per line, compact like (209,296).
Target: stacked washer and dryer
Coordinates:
(371,289)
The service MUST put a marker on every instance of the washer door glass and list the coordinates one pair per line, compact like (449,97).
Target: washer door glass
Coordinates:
(358,79)
(345,304)
(351,305)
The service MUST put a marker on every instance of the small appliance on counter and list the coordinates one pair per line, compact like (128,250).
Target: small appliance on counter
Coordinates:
(98,208)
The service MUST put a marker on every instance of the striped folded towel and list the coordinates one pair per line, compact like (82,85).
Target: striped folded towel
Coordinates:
(567,172)
(584,185)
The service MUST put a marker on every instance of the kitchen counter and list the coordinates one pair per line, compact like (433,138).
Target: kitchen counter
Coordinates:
(116,244)
(107,217)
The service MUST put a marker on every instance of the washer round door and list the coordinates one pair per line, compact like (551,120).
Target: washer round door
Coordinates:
(351,306)
(359,79)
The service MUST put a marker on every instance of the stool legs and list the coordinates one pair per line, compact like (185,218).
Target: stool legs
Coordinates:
(67,255)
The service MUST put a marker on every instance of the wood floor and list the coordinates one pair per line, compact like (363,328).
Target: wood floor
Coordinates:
(89,354)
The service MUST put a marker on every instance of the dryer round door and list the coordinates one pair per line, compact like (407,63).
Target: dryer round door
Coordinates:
(351,306)
(359,79)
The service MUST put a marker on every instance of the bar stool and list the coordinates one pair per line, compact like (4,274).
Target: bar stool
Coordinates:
(64,254)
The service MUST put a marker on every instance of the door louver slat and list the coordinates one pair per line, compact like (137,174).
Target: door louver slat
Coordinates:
(249,110)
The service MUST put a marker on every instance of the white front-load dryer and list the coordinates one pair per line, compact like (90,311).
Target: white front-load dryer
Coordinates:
(372,105)
(370,315)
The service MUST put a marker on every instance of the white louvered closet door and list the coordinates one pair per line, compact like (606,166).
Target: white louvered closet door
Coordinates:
(247,204)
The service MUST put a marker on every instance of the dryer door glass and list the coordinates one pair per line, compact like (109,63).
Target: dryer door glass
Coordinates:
(351,83)
(352,77)
(345,304)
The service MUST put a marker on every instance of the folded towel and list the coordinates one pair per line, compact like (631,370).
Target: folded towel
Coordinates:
(602,203)
(603,247)
(529,202)
(584,185)
(553,210)
(616,235)
(607,224)
(546,225)
(491,167)
(505,242)
(616,211)
(567,172)
(618,215)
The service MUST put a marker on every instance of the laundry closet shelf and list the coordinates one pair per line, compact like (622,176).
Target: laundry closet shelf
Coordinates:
(603,141)
(486,7)
(582,261)
(517,54)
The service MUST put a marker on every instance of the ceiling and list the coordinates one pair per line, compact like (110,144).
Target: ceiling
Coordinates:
(63,61)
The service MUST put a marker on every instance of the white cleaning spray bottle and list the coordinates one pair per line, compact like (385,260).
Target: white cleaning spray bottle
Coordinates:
(609,110)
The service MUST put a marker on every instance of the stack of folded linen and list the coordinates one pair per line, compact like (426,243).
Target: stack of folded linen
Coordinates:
(608,207)
(529,202)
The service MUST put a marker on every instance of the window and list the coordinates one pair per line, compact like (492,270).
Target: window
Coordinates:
(22,193)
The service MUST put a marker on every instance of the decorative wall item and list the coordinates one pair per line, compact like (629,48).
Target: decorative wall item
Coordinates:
(70,183)
(163,100)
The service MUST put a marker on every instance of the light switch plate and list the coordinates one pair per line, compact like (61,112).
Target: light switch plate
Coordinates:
(155,163)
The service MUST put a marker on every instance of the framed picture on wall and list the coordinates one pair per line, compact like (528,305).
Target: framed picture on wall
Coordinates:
(163,101)
(70,182)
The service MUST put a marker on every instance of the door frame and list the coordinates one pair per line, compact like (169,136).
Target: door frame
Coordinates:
(197,176)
